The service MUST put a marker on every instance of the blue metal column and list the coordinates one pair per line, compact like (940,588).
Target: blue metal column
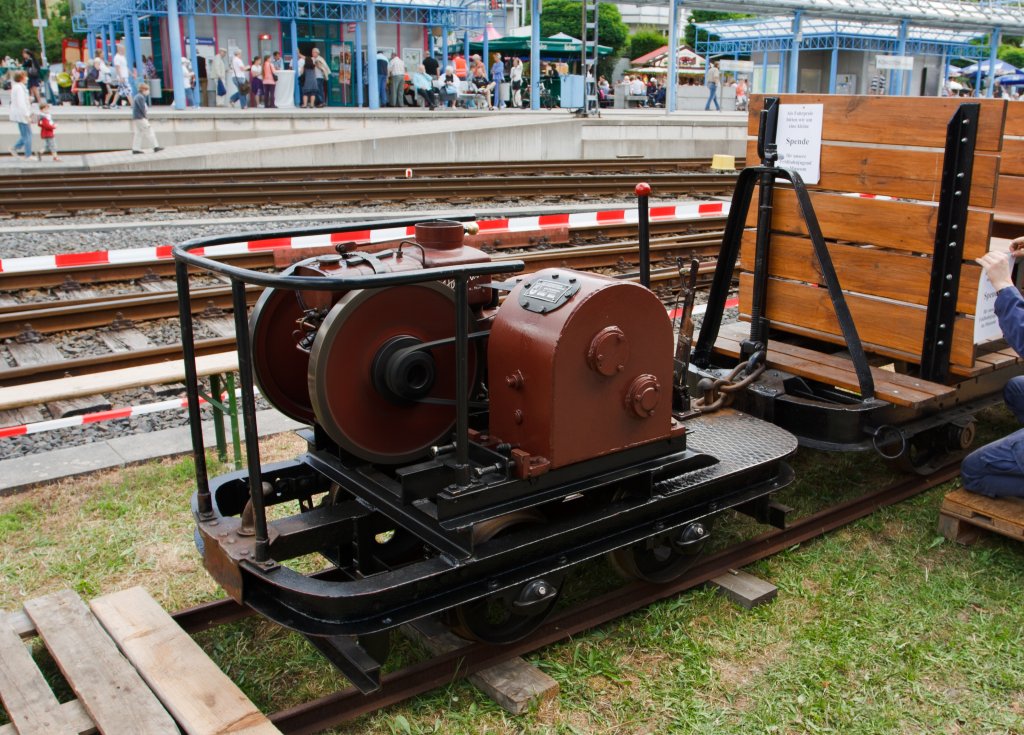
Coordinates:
(129,53)
(465,50)
(445,58)
(764,73)
(833,68)
(896,83)
(672,100)
(193,57)
(992,58)
(174,38)
(371,55)
(977,80)
(111,40)
(90,39)
(103,43)
(293,31)
(794,56)
(137,48)
(782,71)
(495,96)
(534,54)
(359,66)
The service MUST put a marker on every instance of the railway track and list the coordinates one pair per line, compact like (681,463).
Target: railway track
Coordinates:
(116,317)
(418,678)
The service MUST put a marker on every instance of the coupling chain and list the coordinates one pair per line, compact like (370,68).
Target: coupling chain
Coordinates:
(718,392)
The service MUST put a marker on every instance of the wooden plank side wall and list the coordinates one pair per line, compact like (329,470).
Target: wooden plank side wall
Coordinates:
(869,271)
(1010,198)
(907,226)
(906,173)
(915,121)
(808,310)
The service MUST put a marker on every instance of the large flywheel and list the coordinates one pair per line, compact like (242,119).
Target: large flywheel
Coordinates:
(279,366)
(373,389)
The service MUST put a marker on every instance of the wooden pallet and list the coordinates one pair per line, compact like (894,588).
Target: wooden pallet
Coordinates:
(964,515)
(133,670)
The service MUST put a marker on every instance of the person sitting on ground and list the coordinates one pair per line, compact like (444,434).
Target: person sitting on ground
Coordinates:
(143,133)
(424,86)
(46,131)
(997,469)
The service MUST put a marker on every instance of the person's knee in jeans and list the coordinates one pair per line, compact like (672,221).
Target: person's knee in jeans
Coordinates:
(1013,395)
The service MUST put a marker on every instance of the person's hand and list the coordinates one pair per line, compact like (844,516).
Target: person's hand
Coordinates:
(997,268)
(1017,247)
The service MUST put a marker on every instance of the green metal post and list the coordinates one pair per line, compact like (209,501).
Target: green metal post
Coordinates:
(236,439)
(218,418)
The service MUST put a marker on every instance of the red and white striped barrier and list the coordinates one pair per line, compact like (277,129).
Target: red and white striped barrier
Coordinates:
(682,211)
(94,418)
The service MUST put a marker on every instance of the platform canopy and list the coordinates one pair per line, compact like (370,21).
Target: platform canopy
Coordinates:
(981,16)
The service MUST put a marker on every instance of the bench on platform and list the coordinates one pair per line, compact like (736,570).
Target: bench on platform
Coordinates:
(877,205)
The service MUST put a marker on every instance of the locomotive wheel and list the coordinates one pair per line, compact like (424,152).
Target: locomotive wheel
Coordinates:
(664,557)
(511,614)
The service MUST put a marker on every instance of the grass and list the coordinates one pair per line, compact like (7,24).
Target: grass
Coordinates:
(880,627)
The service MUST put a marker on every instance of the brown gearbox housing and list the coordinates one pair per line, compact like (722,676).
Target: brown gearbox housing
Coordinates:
(580,366)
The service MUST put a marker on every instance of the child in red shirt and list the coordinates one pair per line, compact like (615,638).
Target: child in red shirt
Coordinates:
(47,127)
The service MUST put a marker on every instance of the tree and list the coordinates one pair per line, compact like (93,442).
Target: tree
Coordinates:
(706,16)
(1013,55)
(566,16)
(19,33)
(644,41)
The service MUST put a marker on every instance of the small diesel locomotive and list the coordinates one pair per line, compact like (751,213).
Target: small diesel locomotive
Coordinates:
(470,441)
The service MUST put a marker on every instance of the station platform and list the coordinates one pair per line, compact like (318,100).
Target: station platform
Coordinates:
(232,138)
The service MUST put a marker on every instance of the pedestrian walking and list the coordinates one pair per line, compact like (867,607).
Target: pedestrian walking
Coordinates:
(239,72)
(144,137)
(711,80)
(21,113)
(46,131)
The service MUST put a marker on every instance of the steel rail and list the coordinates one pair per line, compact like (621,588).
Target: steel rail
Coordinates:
(348,704)
(117,195)
(397,171)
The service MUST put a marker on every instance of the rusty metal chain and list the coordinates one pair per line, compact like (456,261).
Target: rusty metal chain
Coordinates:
(718,393)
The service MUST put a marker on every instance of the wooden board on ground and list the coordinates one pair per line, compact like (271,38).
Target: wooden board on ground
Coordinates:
(27,698)
(19,416)
(745,589)
(113,693)
(201,697)
(514,684)
(34,353)
(77,406)
(1004,516)
(114,380)
(124,340)
(222,326)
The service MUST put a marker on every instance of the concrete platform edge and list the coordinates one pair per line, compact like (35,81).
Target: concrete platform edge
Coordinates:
(22,473)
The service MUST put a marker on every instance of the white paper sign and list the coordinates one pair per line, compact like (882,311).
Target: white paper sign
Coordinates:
(734,65)
(986,324)
(901,63)
(799,140)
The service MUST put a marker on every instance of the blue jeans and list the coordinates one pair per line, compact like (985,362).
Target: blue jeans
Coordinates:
(712,97)
(241,99)
(24,139)
(997,469)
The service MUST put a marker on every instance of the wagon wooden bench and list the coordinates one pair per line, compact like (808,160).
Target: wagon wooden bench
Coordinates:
(883,217)
(133,670)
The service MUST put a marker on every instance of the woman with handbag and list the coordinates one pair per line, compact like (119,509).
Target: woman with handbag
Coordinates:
(515,75)
(269,82)
(239,73)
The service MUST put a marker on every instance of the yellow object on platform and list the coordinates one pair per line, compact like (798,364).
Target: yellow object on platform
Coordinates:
(720,162)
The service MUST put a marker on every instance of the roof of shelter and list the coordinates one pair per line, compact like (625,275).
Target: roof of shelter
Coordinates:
(980,16)
(782,27)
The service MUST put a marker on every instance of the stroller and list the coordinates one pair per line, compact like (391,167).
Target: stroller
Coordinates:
(64,96)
